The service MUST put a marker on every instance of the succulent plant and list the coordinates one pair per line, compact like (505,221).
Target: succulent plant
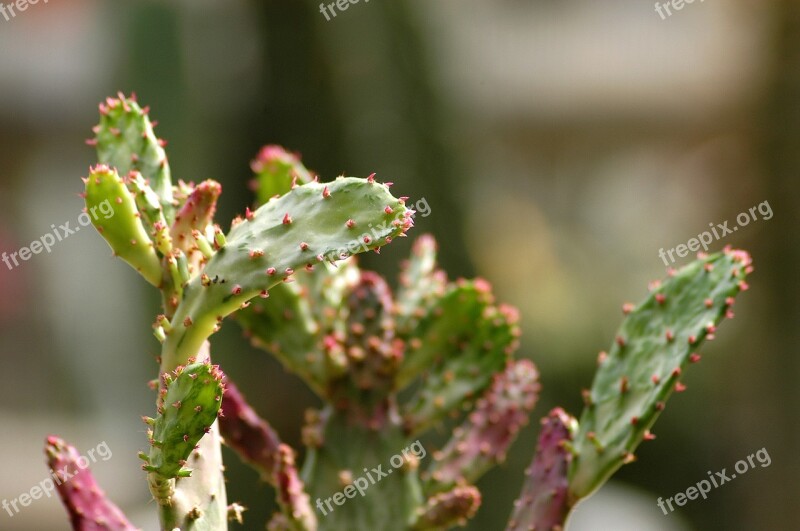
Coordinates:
(166,232)
(388,365)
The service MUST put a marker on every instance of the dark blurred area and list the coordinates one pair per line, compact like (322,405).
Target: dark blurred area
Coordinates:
(558,145)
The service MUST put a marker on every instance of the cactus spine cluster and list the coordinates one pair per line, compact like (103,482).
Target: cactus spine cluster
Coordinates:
(389,365)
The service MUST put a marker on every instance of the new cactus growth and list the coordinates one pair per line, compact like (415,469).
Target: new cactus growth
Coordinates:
(387,366)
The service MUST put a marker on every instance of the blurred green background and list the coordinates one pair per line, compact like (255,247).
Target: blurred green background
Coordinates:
(559,146)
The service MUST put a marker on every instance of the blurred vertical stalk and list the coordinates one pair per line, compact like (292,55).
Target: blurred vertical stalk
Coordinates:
(360,87)
(778,258)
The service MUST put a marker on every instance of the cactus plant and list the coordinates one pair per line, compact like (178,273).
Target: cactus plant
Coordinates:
(388,365)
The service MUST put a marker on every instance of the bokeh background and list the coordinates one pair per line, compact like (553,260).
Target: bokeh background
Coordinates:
(559,145)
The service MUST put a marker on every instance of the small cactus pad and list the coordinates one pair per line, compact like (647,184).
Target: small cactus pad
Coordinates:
(544,504)
(149,205)
(654,345)
(89,509)
(449,509)
(277,170)
(188,407)
(466,339)
(312,223)
(125,140)
(196,213)
(113,212)
(421,285)
(484,438)
(247,433)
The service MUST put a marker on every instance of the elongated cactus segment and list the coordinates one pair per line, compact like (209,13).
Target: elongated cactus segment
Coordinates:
(277,171)
(88,507)
(465,340)
(544,502)
(449,509)
(188,406)
(259,445)
(247,433)
(123,229)
(292,498)
(655,343)
(149,205)
(422,284)
(125,140)
(486,435)
(312,223)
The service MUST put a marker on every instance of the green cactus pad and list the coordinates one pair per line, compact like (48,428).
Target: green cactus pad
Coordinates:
(125,140)
(422,284)
(148,203)
(188,407)
(312,223)
(654,345)
(277,170)
(123,230)
(356,459)
(465,340)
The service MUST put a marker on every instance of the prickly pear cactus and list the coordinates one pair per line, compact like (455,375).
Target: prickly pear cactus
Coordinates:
(388,366)
(167,233)
(359,346)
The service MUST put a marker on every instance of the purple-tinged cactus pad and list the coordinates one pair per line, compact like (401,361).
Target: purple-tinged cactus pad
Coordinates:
(89,509)
(544,504)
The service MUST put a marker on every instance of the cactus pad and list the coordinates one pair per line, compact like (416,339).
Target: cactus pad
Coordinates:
(89,509)
(654,345)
